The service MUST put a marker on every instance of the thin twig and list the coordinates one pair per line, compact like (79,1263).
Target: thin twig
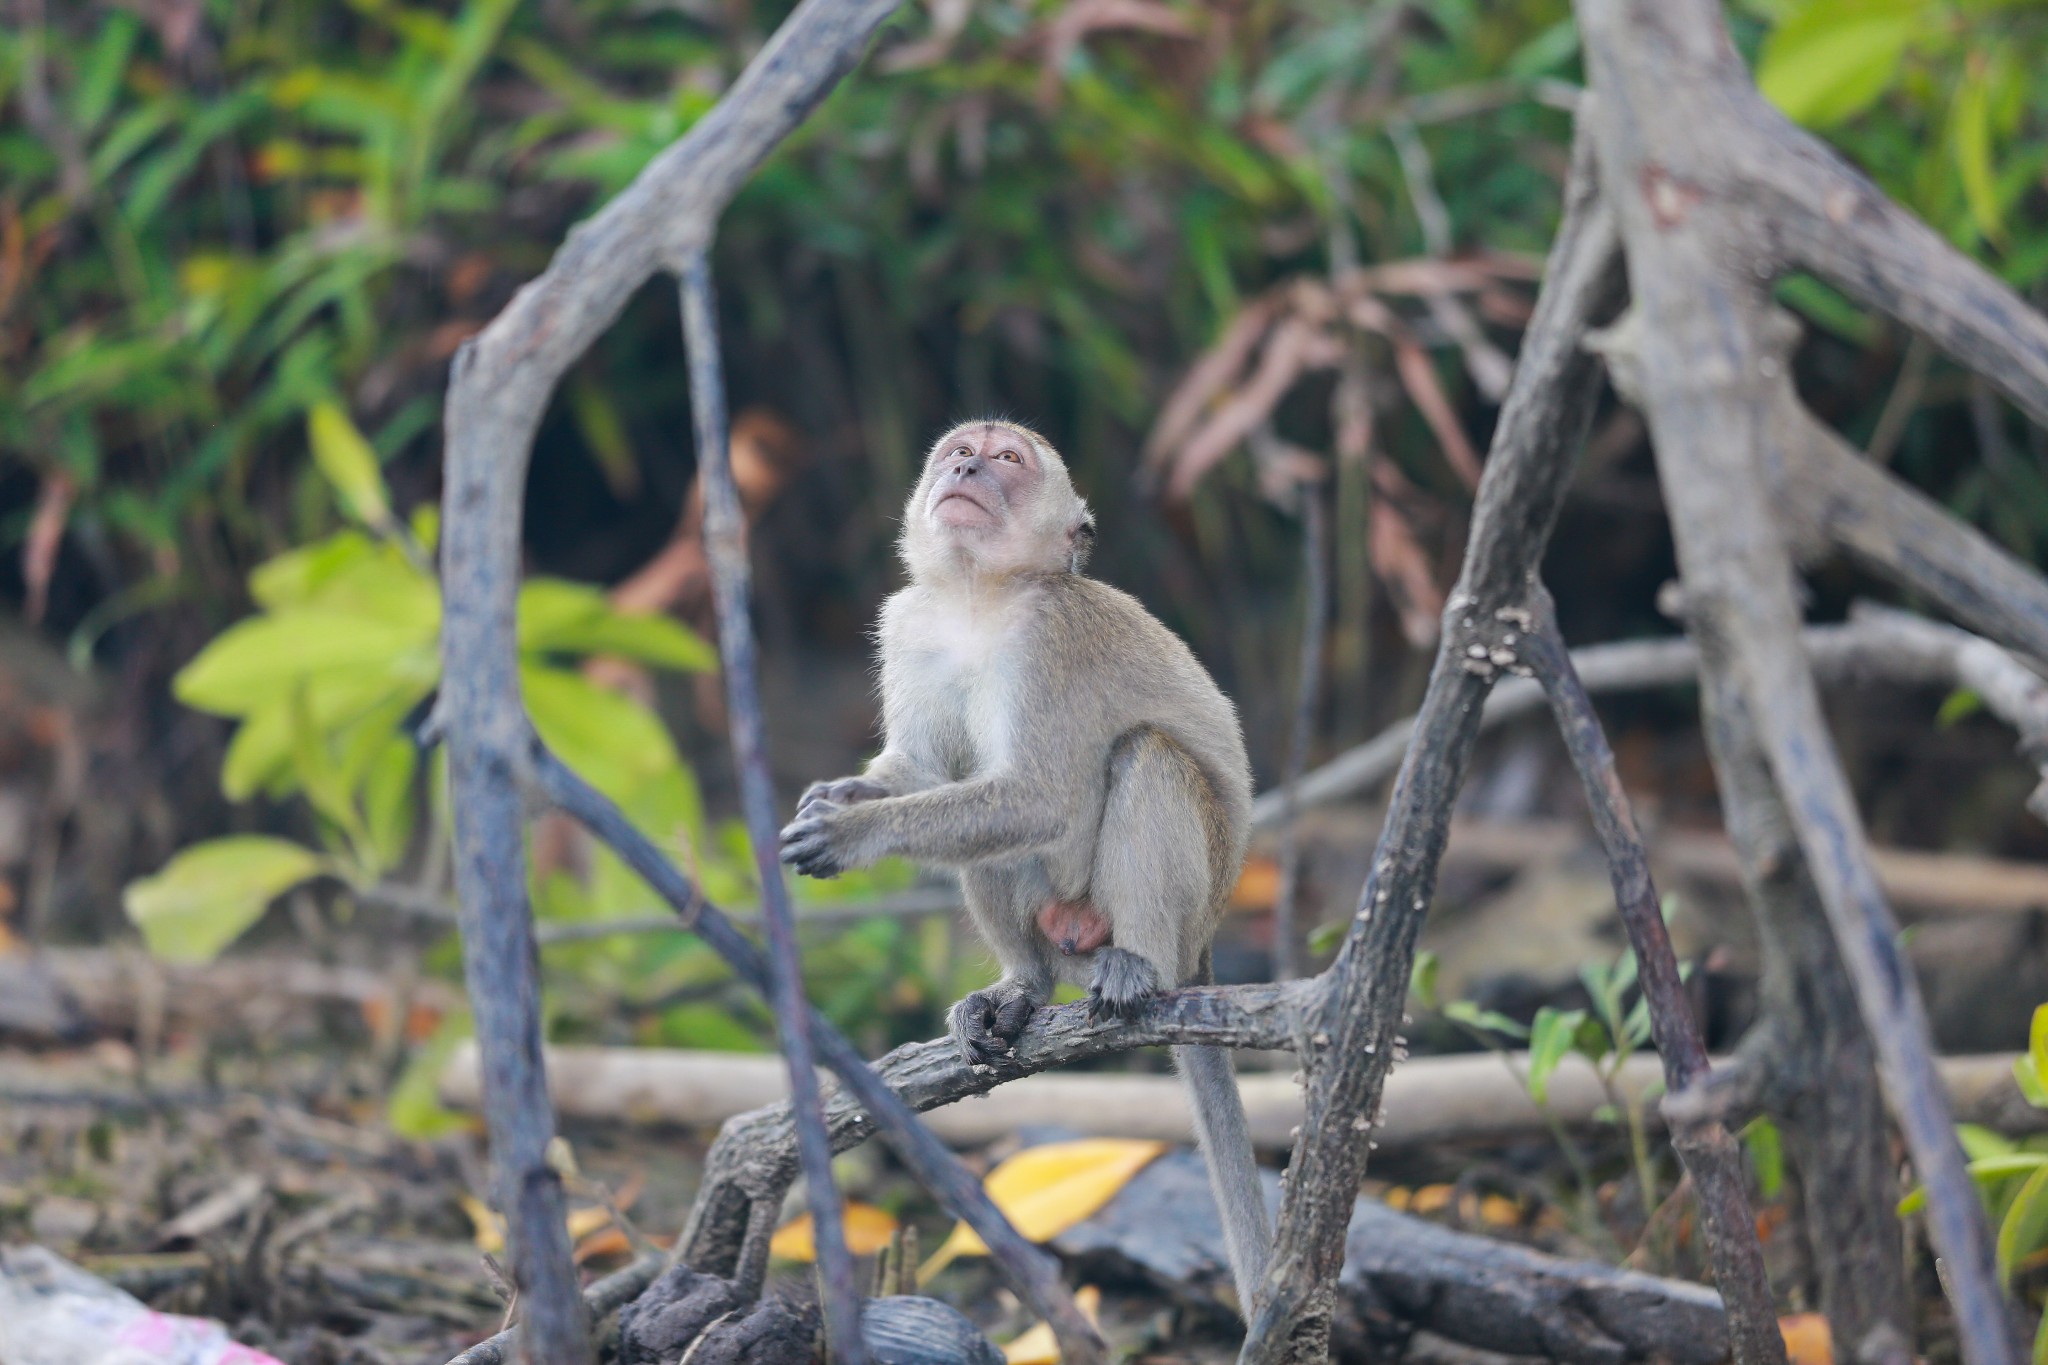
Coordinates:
(1541,425)
(1315,623)
(499,388)
(1712,1158)
(724,541)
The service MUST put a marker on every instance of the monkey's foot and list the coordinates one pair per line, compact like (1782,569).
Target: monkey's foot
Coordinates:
(1123,982)
(987,1024)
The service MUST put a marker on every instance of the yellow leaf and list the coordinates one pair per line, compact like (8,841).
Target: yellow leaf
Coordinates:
(1431,1199)
(1037,1346)
(583,1222)
(1807,1339)
(1497,1210)
(868,1230)
(1046,1190)
(490,1228)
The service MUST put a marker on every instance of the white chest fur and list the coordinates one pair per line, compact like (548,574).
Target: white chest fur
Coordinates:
(956,658)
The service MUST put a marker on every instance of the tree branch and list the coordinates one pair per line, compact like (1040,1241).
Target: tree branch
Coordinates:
(1542,423)
(1829,492)
(1707,360)
(498,388)
(1708,1150)
(724,540)
(1033,1273)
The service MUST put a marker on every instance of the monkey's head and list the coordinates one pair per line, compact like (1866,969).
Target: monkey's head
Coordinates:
(995,501)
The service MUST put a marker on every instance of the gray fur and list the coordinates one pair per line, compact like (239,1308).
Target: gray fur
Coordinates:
(1050,739)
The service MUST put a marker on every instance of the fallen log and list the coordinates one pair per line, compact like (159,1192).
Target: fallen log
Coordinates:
(1404,1275)
(1473,1097)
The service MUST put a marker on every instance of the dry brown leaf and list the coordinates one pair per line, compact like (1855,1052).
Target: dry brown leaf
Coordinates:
(1418,377)
(1398,559)
(1086,17)
(1294,348)
(1216,370)
(45,535)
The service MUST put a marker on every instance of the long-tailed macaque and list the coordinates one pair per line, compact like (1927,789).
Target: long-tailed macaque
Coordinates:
(1051,740)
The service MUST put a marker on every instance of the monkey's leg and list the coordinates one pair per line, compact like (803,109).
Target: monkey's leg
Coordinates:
(1160,870)
(986,1024)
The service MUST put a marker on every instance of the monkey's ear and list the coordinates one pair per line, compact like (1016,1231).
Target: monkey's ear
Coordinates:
(1080,542)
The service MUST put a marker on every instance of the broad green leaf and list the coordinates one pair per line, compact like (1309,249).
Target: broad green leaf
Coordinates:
(1979,1142)
(204,898)
(259,752)
(1834,58)
(560,617)
(1551,1037)
(613,742)
(656,640)
(253,662)
(347,462)
(2025,1225)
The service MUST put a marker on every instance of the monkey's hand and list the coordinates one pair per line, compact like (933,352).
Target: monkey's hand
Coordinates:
(986,1024)
(820,842)
(1122,983)
(845,791)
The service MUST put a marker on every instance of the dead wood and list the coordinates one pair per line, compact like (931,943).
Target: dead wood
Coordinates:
(1404,1275)
(1467,1098)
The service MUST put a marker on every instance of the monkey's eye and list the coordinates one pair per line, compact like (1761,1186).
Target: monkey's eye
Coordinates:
(1012,456)
(959,451)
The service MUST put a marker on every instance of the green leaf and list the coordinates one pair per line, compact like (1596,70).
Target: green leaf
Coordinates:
(559,617)
(1766,1155)
(252,663)
(347,462)
(2026,1223)
(1834,58)
(1957,706)
(204,898)
(2031,1071)
(1466,1013)
(613,742)
(1970,135)
(415,1110)
(1551,1038)
(1422,979)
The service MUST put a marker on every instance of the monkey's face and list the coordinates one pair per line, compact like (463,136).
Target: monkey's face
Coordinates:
(994,498)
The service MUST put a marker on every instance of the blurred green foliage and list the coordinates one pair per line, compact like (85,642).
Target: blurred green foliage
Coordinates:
(241,239)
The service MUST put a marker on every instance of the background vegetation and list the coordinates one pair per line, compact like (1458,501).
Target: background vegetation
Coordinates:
(241,239)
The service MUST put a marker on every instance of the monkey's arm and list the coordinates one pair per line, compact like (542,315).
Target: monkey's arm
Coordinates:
(998,816)
(892,773)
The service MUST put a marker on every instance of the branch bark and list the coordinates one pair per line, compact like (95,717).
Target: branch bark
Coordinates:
(1541,425)
(1033,1274)
(725,542)
(1706,358)
(1708,1150)
(498,390)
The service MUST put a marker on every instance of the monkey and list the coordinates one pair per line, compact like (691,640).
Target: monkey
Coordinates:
(1058,746)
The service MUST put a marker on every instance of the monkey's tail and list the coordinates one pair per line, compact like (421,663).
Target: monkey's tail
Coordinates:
(1233,1173)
